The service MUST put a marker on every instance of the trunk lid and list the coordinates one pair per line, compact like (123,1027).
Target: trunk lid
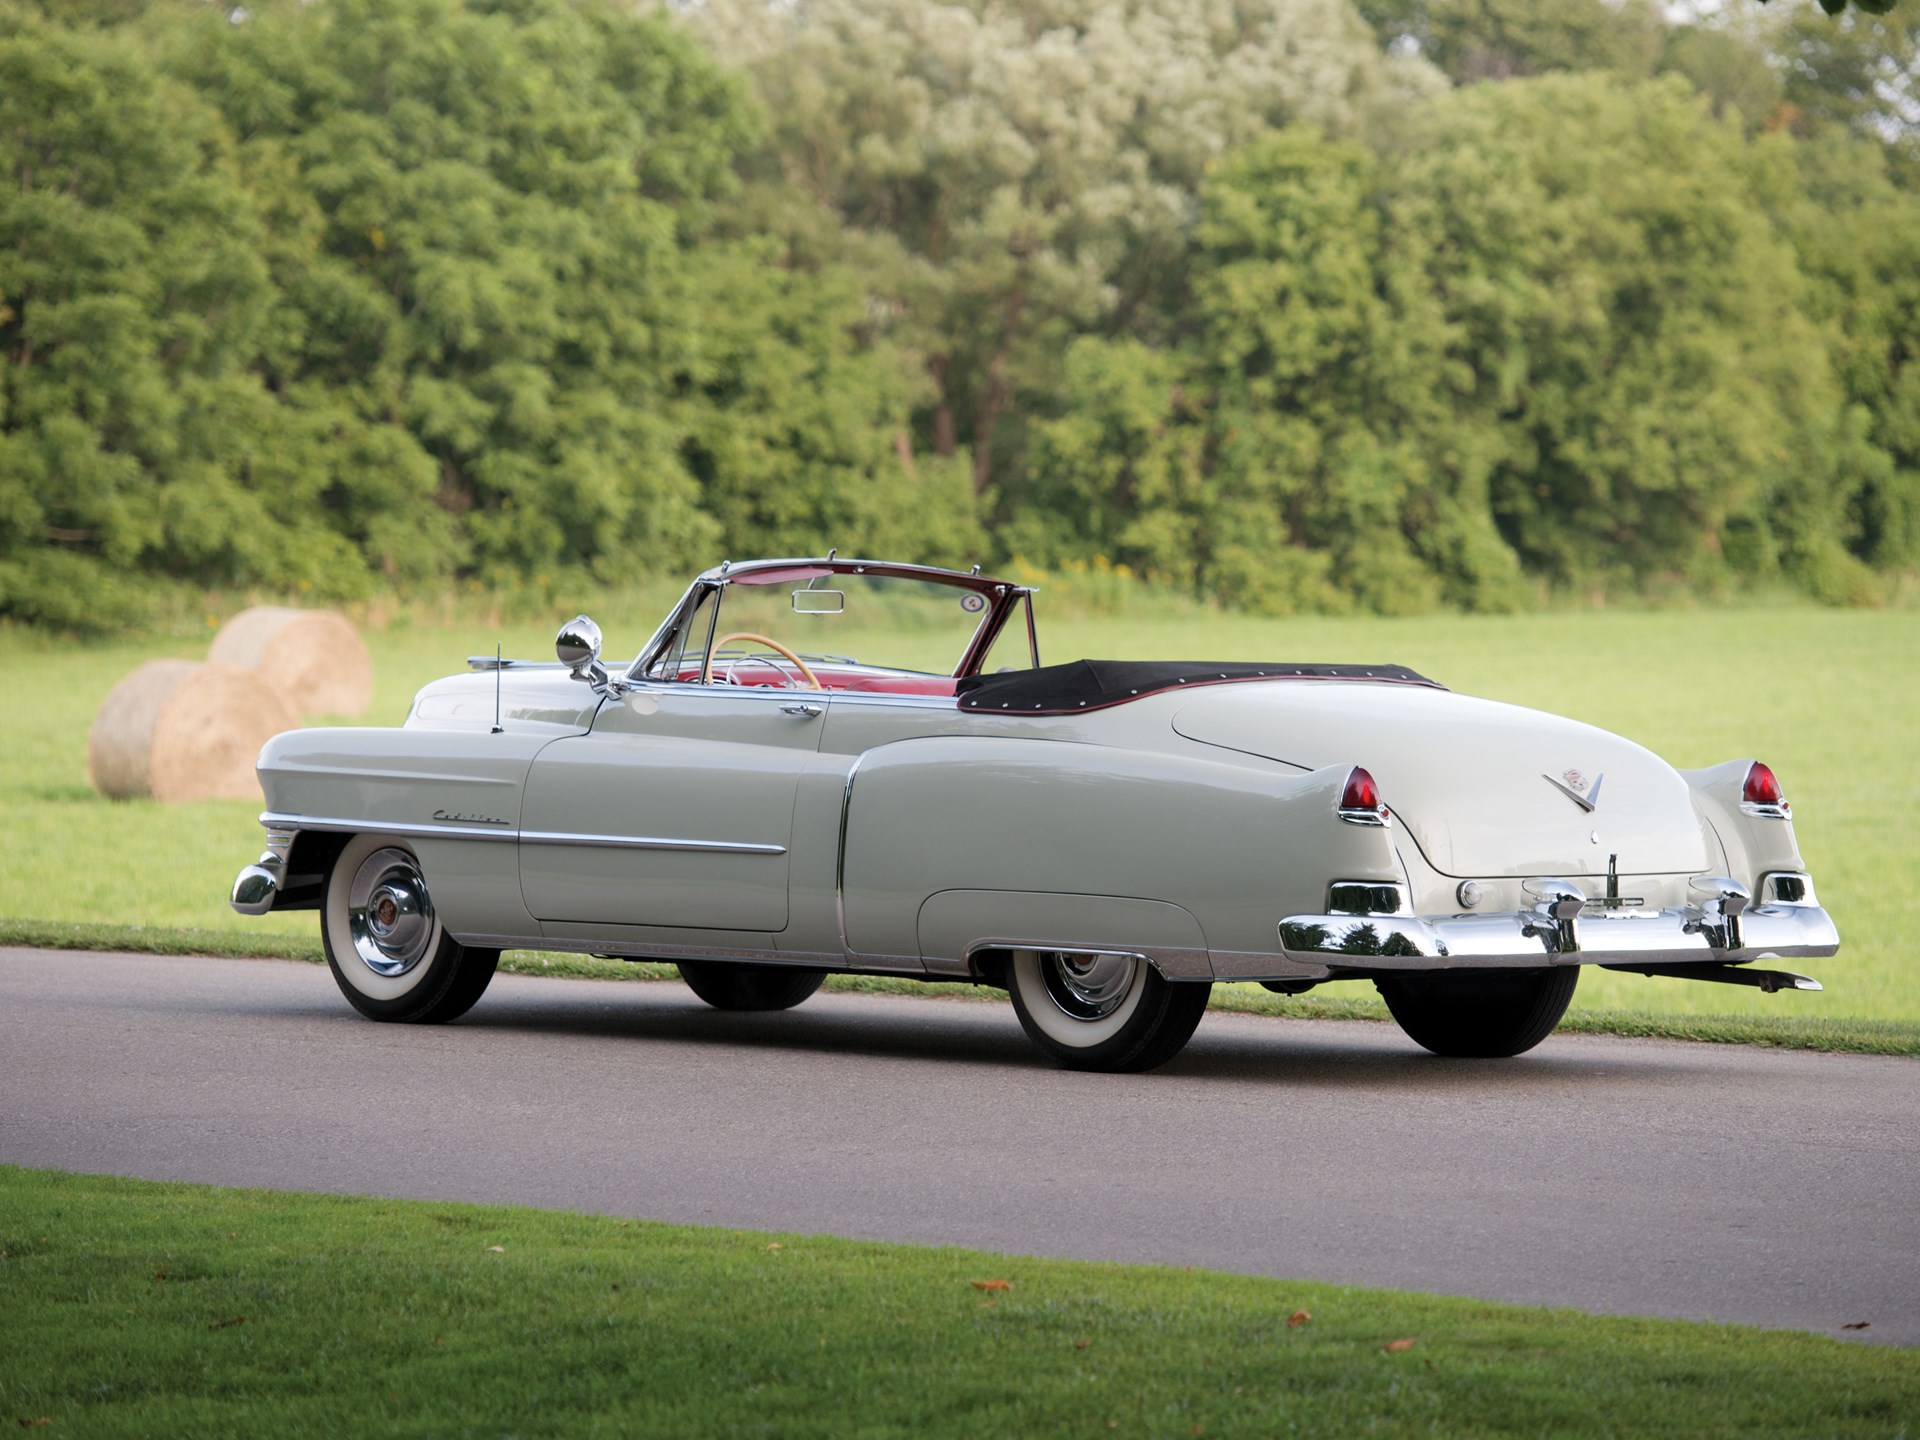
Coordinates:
(1473,781)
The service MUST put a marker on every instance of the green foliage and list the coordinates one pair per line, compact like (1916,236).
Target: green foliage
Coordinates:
(1015,176)
(1475,40)
(1629,332)
(133,298)
(328,297)
(1567,334)
(1860,71)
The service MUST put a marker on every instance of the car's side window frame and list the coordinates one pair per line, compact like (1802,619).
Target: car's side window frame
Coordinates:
(665,669)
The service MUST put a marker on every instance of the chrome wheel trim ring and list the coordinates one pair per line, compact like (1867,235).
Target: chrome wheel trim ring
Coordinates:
(389,914)
(1088,988)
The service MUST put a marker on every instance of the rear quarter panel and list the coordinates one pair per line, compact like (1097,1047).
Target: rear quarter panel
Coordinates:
(1234,846)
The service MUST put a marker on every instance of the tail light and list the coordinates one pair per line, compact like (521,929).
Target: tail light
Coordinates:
(1360,802)
(1761,794)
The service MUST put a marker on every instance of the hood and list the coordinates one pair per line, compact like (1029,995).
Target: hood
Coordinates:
(529,698)
(1472,780)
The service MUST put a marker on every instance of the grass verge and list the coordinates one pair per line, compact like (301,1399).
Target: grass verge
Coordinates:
(143,1308)
(1785,1032)
(1840,737)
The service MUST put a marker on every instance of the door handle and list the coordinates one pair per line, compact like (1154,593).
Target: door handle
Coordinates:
(812,712)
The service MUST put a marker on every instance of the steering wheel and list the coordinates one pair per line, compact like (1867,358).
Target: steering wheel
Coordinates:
(706,667)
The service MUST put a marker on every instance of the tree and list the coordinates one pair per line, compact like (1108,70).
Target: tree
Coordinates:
(1285,459)
(1564,335)
(1010,176)
(1475,40)
(133,303)
(1631,331)
(1860,71)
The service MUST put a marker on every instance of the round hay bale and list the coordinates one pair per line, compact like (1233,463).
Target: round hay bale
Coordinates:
(177,730)
(314,657)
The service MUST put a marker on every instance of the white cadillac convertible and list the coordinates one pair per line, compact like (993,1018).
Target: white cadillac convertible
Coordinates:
(845,765)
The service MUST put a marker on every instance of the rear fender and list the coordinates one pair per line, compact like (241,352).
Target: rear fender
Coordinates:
(1755,846)
(1231,844)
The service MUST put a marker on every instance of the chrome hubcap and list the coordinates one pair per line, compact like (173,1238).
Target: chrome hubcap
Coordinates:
(1087,987)
(389,914)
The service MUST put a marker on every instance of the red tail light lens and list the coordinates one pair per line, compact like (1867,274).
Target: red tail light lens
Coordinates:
(1762,787)
(1360,801)
(1762,795)
(1362,794)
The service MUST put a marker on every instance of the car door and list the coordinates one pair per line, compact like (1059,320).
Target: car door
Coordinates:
(677,810)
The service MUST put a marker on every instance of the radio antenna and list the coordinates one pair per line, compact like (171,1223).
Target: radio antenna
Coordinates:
(498,666)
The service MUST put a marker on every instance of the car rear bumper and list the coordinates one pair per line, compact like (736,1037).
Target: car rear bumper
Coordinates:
(1723,930)
(1400,942)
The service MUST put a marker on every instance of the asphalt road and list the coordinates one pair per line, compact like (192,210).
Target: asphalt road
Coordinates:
(1625,1176)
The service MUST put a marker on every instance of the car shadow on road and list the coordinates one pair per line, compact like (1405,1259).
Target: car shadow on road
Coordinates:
(1318,1053)
(940,1031)
(1328,1055)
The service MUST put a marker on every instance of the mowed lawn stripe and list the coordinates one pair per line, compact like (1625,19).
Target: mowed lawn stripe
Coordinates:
(134,1308)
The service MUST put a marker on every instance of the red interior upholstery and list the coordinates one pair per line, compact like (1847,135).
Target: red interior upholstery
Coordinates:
(834,677)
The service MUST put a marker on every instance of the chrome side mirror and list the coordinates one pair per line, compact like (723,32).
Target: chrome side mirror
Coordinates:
(578,646)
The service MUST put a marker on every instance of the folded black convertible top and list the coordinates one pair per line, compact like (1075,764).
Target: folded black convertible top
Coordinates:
(1090,684)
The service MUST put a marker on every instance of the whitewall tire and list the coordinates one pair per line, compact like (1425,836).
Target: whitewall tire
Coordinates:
(386,944)
(1103,1011)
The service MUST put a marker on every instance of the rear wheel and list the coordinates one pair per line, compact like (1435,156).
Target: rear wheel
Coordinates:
(1103,1012)
(388,949)
(1481,1014)
(726,985)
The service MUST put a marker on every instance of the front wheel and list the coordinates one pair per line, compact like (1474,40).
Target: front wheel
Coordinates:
(726,985)
(1103,1012)
(388,949)
(1480,1014)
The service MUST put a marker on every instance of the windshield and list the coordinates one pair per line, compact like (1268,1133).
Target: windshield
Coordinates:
(884,621)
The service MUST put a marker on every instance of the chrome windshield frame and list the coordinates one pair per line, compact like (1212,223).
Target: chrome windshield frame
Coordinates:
(1002,597)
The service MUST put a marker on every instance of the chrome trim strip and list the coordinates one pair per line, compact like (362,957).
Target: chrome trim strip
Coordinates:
(1588,802)
(779,693)
(1354,815)
(840,861)
(527,837)
(647,842)
(878,697)
(388,827)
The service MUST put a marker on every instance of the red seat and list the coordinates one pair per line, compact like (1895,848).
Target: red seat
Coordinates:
(838,677)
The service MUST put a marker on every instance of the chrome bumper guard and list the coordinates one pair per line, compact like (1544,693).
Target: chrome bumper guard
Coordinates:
(257,886)
(1566,928)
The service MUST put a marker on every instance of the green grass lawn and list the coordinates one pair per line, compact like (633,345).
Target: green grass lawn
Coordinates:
(134,1308)
(1831,699)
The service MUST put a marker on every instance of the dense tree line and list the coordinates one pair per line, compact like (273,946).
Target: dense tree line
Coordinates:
(1292,303)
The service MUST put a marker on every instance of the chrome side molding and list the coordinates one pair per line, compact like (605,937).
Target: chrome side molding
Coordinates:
(434,830)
